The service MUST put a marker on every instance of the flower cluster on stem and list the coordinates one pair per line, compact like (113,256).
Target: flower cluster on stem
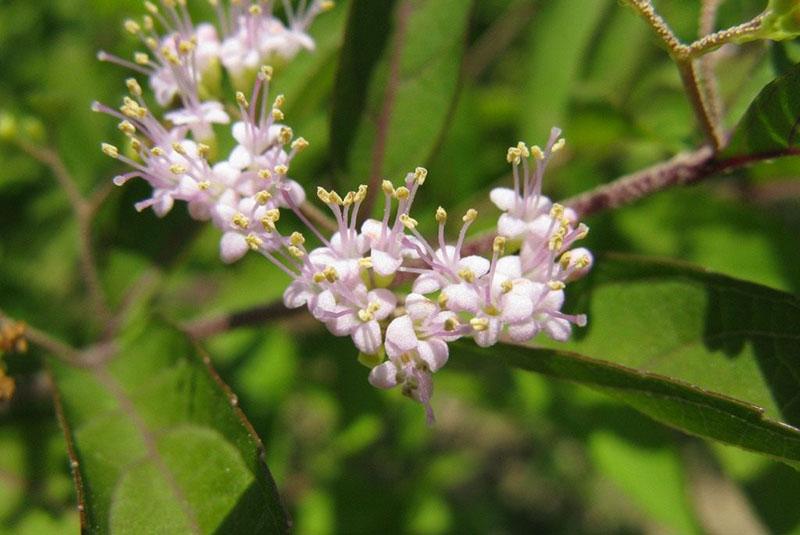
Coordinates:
(402,298)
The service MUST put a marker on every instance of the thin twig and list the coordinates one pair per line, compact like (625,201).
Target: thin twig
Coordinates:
(709,42)
(696,95)
(497,38)
(706,24)
(258,315)
(83,211)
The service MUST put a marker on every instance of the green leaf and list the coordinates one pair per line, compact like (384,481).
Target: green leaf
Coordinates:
(396,84)
(704,353)
(770,124)
(559,42)
(158,443)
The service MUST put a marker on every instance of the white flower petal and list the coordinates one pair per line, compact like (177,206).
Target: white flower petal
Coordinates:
(427,283)
(503,198)
(387,301)
(384,375)
(434,352)
(420,307)
(384,263)
(477,264)
(232,247)
(367,337)
(400,336)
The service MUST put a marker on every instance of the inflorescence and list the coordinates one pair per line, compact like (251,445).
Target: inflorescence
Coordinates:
(401,297)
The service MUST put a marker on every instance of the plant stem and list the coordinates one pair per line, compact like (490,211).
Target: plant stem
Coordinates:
(694,92)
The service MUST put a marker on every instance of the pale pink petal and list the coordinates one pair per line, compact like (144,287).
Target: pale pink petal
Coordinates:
(522,332)
(462,297)
(427,283)
(240,157)
(557,329)
(420,307)
(511,226)
(400,336)
(503,198)
(384,263)
(232,247)
(367,337)
(434,352)
(296,294)
(477,264)
(387,301)
(490,336)
(510,266)
(516,308)
(384,375)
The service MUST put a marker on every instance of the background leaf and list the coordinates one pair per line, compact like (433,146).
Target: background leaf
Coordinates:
(389,116)
(158,445)
(771,123)
(701,352)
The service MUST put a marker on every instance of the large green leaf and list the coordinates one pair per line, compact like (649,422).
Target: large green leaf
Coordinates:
(707,354)
(389,111)
(158,443)
(770,125)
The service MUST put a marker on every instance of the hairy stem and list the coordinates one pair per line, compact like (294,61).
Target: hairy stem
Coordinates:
(696,95)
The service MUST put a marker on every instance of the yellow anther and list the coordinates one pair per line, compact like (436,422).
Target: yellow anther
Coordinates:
(479,324)
(266,72)
(127,128)
(402,193)
(441,215)
(583,231)
(277,115)
(151,7)
(330,274)
(133,87)
(285,135)
(326,5)
(267,224)
(319,277)
(492,310)
(255,9)
(557,211)
(467,274)
(185,47)
(365,262)
(583,262)
(157,152)
(506,286)
(281,169)
(420,174)
(323,195)
(409,222)
(136,145)
(470,216)
(254,242)
(300,143)
(241,221)
(204,185)
(280,101)
(565,259)
(523,149)
(151,42)
(170,56)
(203,150)
(241,99)
(177,147)
(273,214)
(387,187)
(131,26)
(442,300)
(264,174)
(297,239)
(263,197)
(349,198)
(537,152)
(499,244)
(451,324)
(365,315)
(141,58)
(177,169)
(110,150)
(296,251)
(555,243)
(361,194)
(558,145)
(513,156)
(556,285)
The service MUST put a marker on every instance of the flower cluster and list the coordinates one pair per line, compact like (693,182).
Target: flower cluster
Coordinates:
(401,297)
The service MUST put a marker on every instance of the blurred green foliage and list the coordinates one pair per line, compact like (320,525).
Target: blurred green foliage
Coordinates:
(512,452)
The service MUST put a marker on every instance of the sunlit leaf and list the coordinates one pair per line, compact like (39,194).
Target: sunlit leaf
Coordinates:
(159,444)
